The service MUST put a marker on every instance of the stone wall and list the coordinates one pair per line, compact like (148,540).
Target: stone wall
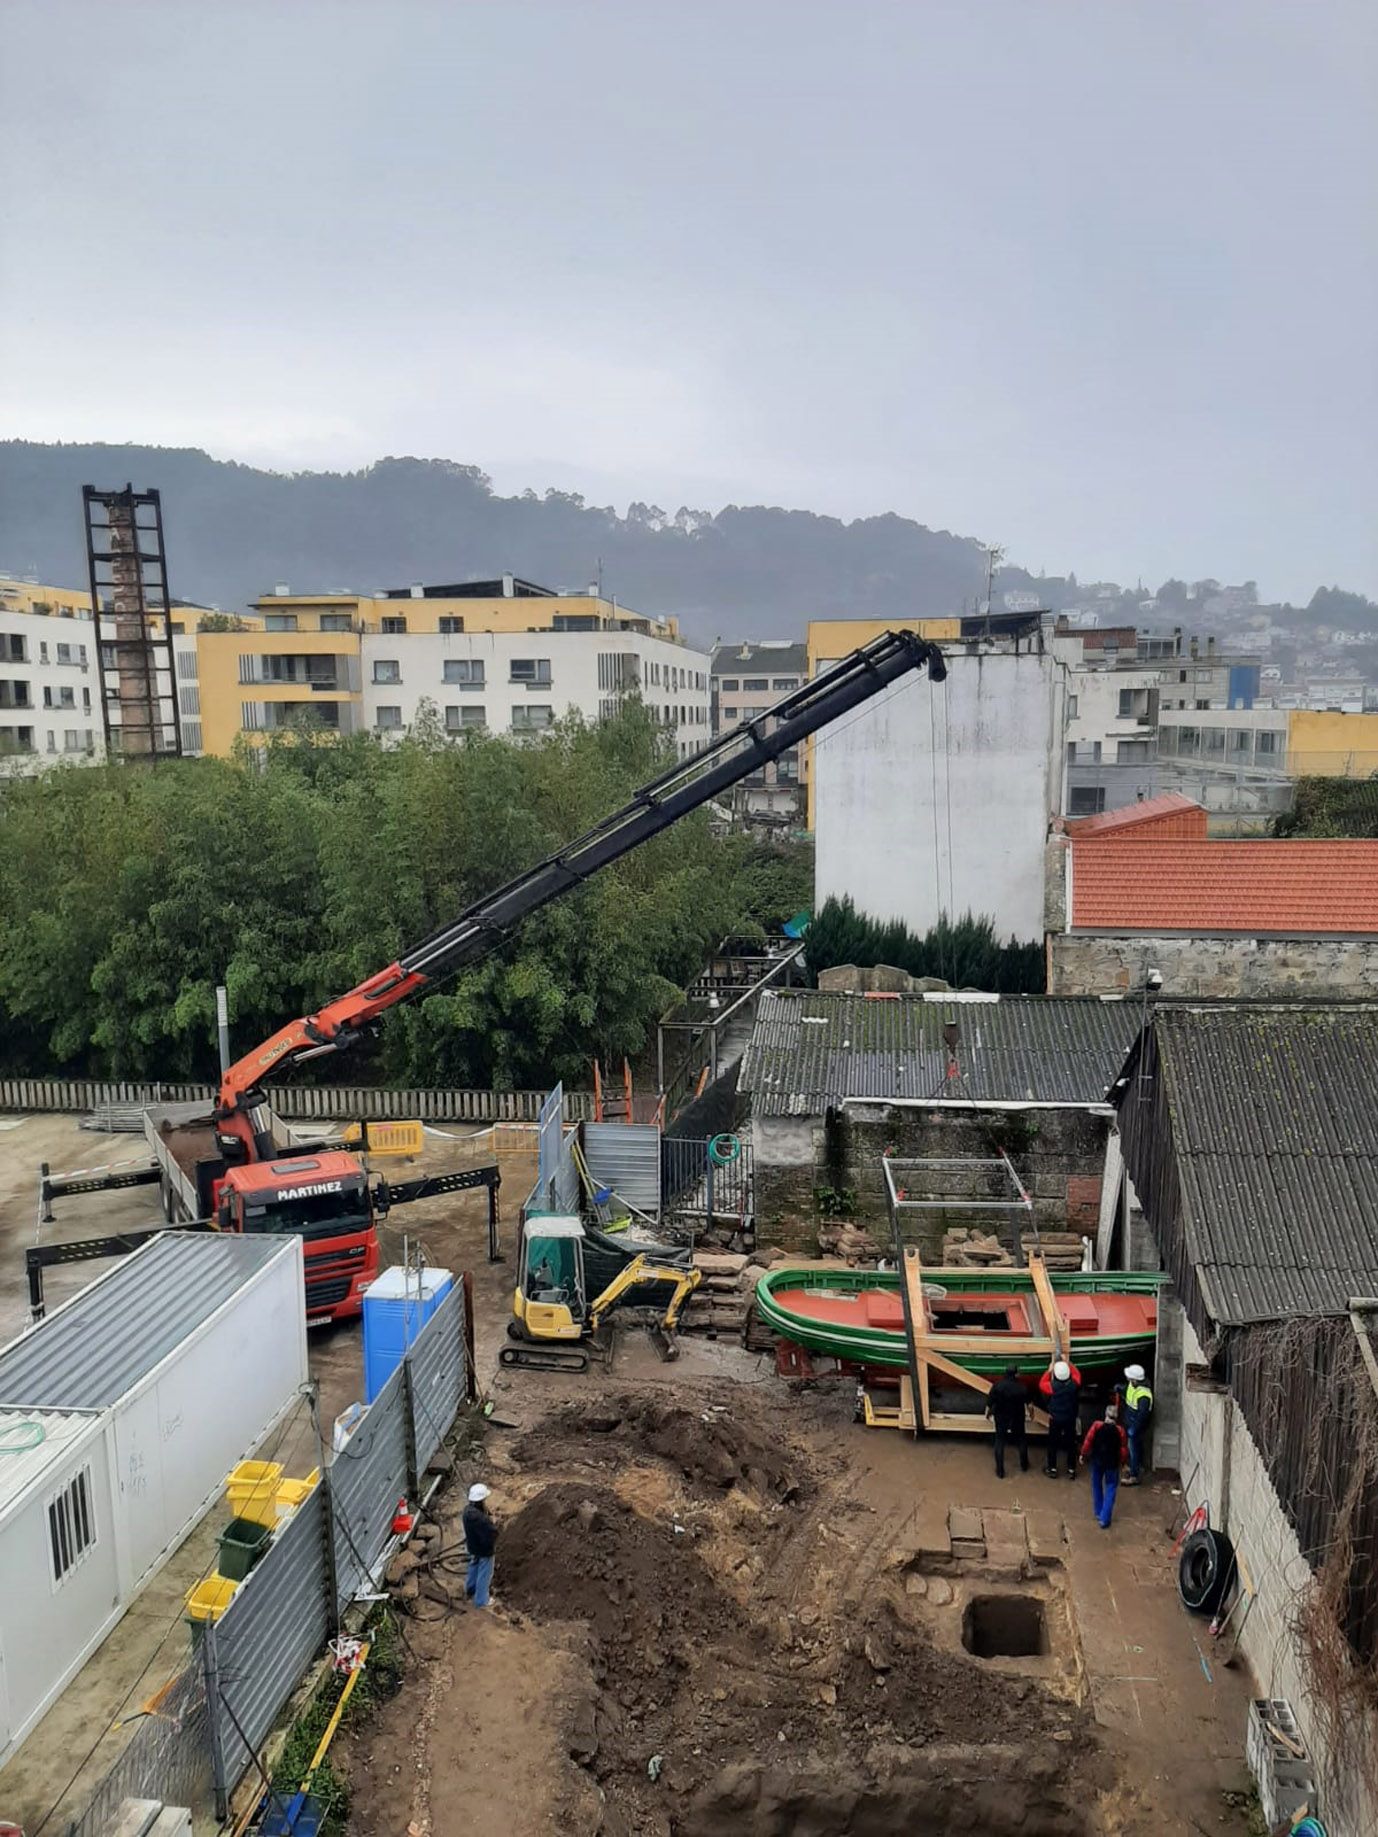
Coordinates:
(1221,1466)
(1059,1154)
(1080,963)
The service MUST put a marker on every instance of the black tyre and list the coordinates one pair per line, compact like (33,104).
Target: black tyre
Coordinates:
(1204,1570)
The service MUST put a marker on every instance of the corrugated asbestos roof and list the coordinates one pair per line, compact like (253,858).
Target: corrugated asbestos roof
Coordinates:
(811,1050)
(99,1345)
(1275,1135)
(1296,887)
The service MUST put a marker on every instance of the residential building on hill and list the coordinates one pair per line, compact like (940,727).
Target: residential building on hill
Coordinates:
(1146,891)
(500,656)
(747,679)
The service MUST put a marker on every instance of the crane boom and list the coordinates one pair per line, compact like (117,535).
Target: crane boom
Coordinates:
(682,788)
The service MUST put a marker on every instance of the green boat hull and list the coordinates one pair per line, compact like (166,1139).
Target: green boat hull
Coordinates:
(868,1345)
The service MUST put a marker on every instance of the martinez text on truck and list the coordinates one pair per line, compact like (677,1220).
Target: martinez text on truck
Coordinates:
(236,1169)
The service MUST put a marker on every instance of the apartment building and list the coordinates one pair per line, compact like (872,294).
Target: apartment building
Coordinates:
(51,676)
(502,656)
(747,679)
(1121,683)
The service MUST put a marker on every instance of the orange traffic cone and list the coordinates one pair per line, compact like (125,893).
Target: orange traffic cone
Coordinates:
(402,1519)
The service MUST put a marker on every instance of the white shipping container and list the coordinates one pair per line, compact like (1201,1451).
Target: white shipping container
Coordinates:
(121,1415)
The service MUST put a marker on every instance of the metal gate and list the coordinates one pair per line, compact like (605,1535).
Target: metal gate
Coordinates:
(626,1157)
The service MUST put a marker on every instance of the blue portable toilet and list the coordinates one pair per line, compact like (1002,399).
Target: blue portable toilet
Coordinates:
(397,1306)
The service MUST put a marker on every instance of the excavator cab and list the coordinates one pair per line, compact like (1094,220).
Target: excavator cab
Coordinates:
(551,1302)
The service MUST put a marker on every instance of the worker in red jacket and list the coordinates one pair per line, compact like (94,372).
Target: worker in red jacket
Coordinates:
(1106,1447)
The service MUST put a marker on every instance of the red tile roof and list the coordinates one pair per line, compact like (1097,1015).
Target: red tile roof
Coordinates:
(1171,814)
(1281,887)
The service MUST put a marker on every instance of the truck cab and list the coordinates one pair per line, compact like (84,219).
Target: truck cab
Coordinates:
(324,1199)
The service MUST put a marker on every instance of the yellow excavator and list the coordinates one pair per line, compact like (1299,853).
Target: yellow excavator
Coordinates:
(554,1320)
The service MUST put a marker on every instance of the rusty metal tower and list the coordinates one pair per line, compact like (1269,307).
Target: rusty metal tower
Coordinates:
(133,618)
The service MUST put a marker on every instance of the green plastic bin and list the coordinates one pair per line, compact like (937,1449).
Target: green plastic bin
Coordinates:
(242,1543)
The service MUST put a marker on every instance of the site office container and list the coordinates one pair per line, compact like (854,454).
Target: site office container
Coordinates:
(150,1384)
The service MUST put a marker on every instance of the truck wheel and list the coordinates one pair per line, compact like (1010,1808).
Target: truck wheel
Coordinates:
(1205,1570)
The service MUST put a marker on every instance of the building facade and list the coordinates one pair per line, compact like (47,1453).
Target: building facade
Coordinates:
(51,676)
(511,661)
(746,680)
(937,798)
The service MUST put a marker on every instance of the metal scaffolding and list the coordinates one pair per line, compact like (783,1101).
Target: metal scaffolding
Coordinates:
(127,565)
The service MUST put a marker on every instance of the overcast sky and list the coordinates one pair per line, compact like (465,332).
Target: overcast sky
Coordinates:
(1094,279)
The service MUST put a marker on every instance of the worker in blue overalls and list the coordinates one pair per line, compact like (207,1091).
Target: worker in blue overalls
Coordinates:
(1138,1407)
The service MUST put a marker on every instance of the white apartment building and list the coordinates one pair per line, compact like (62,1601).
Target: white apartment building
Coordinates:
(50,677)
(523,682)
(747,680)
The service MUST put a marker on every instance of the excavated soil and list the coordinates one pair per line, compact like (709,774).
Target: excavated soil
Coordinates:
(709,1446)
(706,1713)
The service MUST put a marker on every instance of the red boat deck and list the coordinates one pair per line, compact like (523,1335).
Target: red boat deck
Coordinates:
(1087,1316)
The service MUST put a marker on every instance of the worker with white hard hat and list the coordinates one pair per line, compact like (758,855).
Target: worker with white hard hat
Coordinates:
(481,1538)
(1061,1386)
(1138,1407)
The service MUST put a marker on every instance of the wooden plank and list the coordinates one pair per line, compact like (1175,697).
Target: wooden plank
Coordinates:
(1047,1300)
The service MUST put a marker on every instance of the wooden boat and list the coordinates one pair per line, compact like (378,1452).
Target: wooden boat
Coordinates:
(979,1319)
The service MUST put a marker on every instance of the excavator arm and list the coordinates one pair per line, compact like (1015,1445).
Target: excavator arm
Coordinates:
(637,1274)
(684,787)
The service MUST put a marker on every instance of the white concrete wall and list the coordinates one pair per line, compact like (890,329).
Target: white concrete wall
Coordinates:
(1221,1466)
(881,799)
(673,680)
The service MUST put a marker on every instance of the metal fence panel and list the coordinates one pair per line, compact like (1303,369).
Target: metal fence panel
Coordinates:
(435,1367)
(298,1102)
(626,1157)
(367,1478)
(688,1177)
(262,1644)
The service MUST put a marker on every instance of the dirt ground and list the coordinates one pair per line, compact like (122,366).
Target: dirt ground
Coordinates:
(722,1607)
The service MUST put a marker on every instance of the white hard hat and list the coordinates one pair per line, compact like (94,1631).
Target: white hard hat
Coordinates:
(1062,1369)
(478,1492)
(1134,1373)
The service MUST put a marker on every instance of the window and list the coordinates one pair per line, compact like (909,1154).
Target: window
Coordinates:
(86,700)
(335,621)
(386,669)
(43,650)
(618,671)
(186,662)
(1086,800)
(466,719)
(81,655)
(784,682)
(280,621)
(1181,676)
(64,654)
(532,719)
(1071,707)
(754,684)
(15,649)
(71,1524)
(1268,743)
(16,739)
(1127,752)
(1203,705)
(466,671)
(1126,707)
(534,672)
(71,740)
(1215,739)
(392,627)
(386,719)
(449,625)
(787,768)
(107,656)
(729,685)
(191,737)
(1239,740)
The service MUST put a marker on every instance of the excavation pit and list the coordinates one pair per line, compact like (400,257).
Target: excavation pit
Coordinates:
(1005,1626)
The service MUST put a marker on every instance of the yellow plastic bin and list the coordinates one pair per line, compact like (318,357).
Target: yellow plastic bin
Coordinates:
(208,1601)
(252,1489)
(291,1493)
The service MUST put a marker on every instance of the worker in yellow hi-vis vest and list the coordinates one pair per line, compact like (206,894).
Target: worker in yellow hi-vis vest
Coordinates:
(1138,1407)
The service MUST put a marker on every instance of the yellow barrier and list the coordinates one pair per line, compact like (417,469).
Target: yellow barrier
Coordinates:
(400,1140)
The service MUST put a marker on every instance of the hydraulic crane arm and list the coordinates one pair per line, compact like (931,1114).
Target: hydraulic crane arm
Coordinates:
(681,789)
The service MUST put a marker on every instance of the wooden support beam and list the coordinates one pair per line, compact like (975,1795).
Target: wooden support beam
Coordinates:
(1047,1300)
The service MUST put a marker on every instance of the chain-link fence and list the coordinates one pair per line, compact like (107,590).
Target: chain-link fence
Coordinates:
(168,1757)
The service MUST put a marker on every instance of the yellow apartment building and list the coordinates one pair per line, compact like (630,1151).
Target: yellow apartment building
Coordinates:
(1325,744)
(505,604)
